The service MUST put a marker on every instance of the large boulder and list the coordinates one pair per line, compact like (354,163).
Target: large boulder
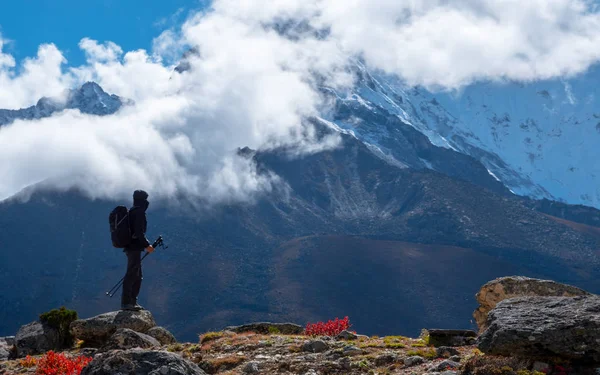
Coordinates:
(96,330)
(36,338)
(125,338)
(266,328)
(140,362)
(545,328)
(6,347)
(503,288)
(162,335)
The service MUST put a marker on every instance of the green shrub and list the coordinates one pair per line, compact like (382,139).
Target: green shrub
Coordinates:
(274,330)
(61,319)
(394,342)
(428,353)
(177,347)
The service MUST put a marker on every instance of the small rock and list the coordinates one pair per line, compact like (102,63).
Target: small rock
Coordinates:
(455,358)
(451,337)
(315,346)
(446,352)
(413,361)
(36,338)
(444,365)
(162,335)
(251,368)
(346,335)
(126,338)
(352,350)
(345,363)
(88,352)
(385,359)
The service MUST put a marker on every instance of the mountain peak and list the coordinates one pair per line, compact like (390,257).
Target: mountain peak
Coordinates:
(91,87)
(90,98)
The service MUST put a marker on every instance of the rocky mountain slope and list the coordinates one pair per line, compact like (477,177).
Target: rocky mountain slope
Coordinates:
(393,200)
(518,338)
(343,216)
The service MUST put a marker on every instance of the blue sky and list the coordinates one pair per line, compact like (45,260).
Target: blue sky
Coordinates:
(132,24)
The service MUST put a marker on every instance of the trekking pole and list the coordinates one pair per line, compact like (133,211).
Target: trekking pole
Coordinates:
(114,289)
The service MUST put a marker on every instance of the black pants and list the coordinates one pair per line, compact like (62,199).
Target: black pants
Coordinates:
(133,277)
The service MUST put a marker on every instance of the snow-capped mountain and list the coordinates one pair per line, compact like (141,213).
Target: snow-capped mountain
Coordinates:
(89,98)
(541,139)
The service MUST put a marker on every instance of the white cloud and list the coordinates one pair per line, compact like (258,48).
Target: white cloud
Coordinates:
(100,53)
(252,86)
(453,43)
(39,76)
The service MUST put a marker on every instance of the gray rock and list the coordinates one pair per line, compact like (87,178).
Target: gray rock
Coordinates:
(385,359)
(125,338)
(140,362)
(36,338)
(315,346)
(4,353)
(413,361)
(451,337)
(88,352)
(345,363)
(251,368)
(266,328)
(96,330)
(346,335)
(444,365)
(455,358)
(543,327)
(352,350)
(446,352)
(6,346)
(162,335)
(503,288)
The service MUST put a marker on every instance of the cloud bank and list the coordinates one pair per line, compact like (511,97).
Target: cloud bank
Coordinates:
(256,79)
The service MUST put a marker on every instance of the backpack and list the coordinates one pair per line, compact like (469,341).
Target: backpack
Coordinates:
(120,230)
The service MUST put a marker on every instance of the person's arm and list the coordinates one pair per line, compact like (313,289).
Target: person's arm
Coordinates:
(138,229)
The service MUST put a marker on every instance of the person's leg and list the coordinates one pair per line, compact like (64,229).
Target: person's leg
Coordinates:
(137,284)
(133,265)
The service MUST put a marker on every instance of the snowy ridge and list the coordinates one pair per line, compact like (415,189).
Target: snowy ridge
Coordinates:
(540,140)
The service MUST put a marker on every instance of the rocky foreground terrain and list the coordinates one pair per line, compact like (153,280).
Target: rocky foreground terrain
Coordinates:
(527,326)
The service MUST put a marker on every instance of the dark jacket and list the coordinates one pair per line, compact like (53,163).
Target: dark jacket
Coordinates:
(139,225)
